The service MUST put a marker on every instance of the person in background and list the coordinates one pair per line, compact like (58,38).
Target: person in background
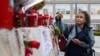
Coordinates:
(58,22)
(61,38)
(81,39)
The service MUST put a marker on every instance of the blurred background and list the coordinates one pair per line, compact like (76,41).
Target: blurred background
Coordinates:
(70,7)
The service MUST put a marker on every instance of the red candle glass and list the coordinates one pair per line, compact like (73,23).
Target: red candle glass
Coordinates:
(22,18)
(32,20)
(6,15)
(40,19)
(46,19)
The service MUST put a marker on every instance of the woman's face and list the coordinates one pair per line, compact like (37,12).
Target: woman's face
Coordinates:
(80,19)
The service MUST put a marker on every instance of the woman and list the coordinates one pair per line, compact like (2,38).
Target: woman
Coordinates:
(81,38)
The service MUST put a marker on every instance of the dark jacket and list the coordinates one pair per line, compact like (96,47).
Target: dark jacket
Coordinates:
(84,42)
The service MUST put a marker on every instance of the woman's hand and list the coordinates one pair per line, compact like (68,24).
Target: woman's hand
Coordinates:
(76,41)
